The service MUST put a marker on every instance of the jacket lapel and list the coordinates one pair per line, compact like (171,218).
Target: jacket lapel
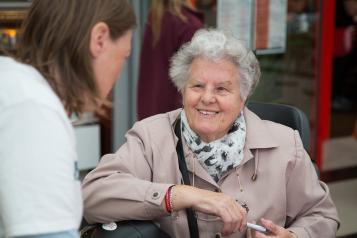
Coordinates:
(258,137)
(191,161)
(196,168)
(258,134)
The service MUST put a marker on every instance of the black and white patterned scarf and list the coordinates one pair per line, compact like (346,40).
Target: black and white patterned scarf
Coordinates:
(220,155)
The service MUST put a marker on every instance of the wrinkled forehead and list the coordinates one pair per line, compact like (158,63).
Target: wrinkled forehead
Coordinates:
(220,70)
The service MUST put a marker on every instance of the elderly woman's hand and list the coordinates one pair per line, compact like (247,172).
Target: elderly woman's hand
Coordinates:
(274,231)
(232,214)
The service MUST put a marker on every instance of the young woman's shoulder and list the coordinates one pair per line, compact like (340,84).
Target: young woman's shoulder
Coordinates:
(21,83)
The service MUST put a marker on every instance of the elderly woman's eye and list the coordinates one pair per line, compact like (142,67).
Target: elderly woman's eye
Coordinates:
(198,86)
(221,89)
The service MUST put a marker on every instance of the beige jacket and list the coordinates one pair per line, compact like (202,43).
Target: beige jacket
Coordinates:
(131,183)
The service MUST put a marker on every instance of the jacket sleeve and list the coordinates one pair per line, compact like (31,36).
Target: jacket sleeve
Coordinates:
(120,187)
(310,209)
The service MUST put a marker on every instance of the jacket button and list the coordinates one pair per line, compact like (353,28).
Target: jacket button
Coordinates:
(218,235)
(155,195)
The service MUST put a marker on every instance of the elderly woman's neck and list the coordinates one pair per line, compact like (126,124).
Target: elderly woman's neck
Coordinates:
(210,138)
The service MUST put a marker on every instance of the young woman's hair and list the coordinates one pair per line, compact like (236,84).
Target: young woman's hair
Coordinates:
(157,10)
(55,37)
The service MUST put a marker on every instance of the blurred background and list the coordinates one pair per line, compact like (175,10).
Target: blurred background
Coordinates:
(308,55)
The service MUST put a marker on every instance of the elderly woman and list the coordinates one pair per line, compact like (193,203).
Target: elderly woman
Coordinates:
(241,168)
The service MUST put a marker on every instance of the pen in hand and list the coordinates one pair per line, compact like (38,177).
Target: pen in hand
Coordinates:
(256,227)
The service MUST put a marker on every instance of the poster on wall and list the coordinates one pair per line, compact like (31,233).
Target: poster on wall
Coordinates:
(236,17)
(260,24)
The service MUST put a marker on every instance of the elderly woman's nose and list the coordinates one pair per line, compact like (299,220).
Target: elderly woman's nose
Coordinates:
(208,96)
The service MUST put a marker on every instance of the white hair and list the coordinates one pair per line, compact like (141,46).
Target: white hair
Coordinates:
(215,45)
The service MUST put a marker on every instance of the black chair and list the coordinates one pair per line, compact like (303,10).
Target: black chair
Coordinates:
(284,114)
(124,229)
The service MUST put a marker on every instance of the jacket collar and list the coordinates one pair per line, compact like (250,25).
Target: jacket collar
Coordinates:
(173,115)
(258,137)
(192,163)
(258,134)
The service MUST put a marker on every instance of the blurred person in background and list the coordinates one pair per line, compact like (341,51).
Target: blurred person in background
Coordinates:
(299,20)
(69,55)
(170,24)
(344,85)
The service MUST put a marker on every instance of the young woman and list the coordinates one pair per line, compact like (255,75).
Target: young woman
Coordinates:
(69,56)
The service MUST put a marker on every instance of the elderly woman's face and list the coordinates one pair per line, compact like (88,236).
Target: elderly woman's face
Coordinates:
(211,98)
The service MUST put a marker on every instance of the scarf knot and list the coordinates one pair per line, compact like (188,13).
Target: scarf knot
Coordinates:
(221,155)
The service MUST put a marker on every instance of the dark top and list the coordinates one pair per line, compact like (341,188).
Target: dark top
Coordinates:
(156,92)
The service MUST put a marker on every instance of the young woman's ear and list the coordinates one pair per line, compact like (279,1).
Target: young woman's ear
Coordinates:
(98,36)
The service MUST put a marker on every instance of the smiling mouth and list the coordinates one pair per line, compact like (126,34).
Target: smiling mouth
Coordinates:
(207,113)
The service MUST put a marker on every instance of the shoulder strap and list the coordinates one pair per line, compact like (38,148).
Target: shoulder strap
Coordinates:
(191,218)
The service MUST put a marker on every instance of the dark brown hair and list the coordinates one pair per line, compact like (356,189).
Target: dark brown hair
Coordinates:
(55,37)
